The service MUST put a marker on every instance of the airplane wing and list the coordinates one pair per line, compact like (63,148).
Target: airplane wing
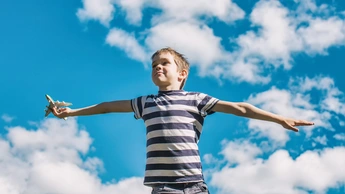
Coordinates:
(48,111)
(55,104)
(59,104)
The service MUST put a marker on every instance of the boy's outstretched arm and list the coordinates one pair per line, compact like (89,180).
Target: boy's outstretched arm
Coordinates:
(105,107)
(250,111)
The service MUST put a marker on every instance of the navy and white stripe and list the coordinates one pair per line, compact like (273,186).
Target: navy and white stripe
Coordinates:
(173,122)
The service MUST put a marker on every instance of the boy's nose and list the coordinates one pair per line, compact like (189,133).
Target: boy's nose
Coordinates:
(158,67)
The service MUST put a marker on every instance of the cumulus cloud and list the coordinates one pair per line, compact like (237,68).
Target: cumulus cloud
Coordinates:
(127,42)
(314,171)
(49,160)
(322,34)
(99,10)
(283,33)
(185,32)
(133,10)
(236,152)
(296,102)
(275,36)
(195,40)
(7,118)
(288,104)
(223,10)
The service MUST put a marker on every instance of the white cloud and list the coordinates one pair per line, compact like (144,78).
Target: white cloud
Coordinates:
(281,35)
(342,123)
(340,137)
(243,71)
(333,99)
(305,6)
(101,10)
(296,102)
(93,165)
(321,140)
(273,45)
(333,103)
(7,118)
(195,40)
(48,160)
(133,9)
(320,83)
(322,34)
(224,10)
(239,152)
(276,34)
(288,104)
(276,38)
(185,32)
(210,159)
(314,171)
(128,43)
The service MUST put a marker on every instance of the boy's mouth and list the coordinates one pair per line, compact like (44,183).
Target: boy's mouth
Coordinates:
(158,73)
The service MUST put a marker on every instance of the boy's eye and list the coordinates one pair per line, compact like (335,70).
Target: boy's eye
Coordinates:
(163,63)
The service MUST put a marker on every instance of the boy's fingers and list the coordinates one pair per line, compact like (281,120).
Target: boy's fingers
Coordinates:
(290,126)
(304,123)
(62,109)
(55,111)
(298,123)
(293,128)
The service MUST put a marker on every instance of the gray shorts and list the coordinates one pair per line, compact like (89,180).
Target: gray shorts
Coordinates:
(181,188)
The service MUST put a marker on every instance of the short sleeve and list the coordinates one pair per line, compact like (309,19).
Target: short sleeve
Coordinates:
(205,104)
(138,106)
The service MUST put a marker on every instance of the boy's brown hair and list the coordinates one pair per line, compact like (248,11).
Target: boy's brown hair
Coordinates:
(180,60)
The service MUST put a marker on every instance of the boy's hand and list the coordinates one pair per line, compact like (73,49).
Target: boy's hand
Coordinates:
(291,124)
(61,112)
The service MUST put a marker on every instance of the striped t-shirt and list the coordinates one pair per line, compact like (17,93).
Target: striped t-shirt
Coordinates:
(173,122)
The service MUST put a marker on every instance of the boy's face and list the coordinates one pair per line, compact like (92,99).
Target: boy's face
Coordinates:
(165,72)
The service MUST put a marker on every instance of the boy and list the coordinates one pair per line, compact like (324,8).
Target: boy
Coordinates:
(174,120)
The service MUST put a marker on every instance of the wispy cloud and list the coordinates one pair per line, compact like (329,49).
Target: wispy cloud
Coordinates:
(48,160)
(321,140)
(333,99)
(7,118)
(340,137)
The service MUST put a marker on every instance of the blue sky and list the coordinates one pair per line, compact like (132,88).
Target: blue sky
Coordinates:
(282,56)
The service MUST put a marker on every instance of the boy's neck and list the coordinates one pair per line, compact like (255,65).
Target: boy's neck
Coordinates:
(168,88)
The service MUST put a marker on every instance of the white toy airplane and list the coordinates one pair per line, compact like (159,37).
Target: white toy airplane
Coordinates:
(56,104)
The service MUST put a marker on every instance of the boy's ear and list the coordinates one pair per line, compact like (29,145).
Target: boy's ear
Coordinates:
(183,74)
